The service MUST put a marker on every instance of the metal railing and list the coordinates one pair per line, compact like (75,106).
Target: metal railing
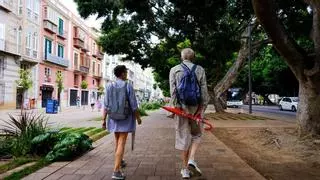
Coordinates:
(56,60)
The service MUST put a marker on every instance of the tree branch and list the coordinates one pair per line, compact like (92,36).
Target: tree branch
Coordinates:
(266,12)
(231,76)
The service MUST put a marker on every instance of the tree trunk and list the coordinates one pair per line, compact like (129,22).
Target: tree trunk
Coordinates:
(298,60)
(231,76)
(219,105)
(309,108)
(22,102)
(59,100)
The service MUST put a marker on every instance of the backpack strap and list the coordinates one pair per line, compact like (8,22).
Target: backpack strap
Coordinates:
(127,94)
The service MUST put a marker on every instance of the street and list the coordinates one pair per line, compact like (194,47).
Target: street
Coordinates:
(270,110)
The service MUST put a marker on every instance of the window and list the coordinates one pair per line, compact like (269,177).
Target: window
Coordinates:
(93,82)
(76,60)
(29,8)
(48,46)
(61,26)
(2,31)
(35,44)
(93,67)
(60,50)
(47,71)
(28,44)
(20,7)
(36,9)
(1,67)
(19,40)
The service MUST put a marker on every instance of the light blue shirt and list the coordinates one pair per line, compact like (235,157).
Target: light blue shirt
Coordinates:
(126,125)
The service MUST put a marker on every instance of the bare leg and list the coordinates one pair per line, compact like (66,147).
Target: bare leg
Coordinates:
(120,150)
(185,158)
(193,150)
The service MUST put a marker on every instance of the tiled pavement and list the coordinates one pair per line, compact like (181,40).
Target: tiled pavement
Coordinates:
(154,158)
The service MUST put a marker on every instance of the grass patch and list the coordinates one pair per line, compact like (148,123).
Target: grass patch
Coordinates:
(83,130)
(98,135)
(14,163)
(96,119)
(65,128)
(72,130)
(93,131)
(142,112)
(28,170)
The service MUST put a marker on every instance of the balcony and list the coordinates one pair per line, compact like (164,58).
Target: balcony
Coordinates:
(78,43)
(97,75)
(6,5)
(62,34)
(84,69)
(56,60)
(10,47)
(49,26)
(85,48)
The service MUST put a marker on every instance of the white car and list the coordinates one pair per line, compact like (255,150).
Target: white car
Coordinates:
(289,103)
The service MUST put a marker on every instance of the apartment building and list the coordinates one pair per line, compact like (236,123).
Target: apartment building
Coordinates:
(19,48)
(54,42)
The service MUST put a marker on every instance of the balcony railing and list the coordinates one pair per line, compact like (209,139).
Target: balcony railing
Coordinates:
(62,34)
(10,47)
(84,69)
(56,60)
(49,26)
(97,75)
(7,5)
(78,43)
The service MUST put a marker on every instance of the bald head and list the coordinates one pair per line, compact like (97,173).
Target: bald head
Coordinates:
(187,54)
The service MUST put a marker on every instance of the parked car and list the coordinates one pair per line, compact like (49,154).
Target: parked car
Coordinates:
(289,103)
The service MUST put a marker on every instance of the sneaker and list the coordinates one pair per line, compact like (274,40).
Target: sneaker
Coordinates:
(123,164)
(193,167)
(118,176)
(185,173)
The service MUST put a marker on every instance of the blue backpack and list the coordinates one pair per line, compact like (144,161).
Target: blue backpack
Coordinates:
(188,91)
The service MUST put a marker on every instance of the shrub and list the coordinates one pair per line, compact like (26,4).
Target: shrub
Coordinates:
(69,146)
(22,129)
(142,112)
(5,147)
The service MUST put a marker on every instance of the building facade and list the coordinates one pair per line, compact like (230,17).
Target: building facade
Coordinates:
(46,38)
(19,48)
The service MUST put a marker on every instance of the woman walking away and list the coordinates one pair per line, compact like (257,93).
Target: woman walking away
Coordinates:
(121,108)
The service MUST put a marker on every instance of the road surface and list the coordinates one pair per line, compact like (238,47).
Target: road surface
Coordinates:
(271,110)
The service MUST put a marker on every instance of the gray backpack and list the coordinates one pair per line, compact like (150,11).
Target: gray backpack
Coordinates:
(119,106)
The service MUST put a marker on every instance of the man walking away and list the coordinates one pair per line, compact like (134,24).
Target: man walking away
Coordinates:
(188,89)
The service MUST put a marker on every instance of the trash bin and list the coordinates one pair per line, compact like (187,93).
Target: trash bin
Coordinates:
(52,106)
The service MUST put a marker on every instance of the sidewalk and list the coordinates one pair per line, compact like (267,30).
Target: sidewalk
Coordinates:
(69,117)
(154,157)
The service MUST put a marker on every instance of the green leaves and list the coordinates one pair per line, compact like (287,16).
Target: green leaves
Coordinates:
(25,81)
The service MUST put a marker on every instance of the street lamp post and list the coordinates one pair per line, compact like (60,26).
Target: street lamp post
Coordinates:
(250,75)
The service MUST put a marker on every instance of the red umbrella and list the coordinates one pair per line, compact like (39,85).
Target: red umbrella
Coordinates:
(180,112)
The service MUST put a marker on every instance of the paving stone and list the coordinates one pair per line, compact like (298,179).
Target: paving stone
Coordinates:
(71,177)
(54,176)
(154,157)
(35,176)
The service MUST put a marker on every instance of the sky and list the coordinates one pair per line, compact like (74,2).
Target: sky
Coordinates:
(90,21)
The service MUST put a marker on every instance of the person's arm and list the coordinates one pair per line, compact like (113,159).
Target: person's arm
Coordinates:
(134,104)
(105,112)
(173,99)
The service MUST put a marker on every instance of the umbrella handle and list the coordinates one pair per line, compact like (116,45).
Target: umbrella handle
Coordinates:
(208,124)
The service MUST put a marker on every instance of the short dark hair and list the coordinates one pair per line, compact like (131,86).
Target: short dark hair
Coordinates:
(118,70)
